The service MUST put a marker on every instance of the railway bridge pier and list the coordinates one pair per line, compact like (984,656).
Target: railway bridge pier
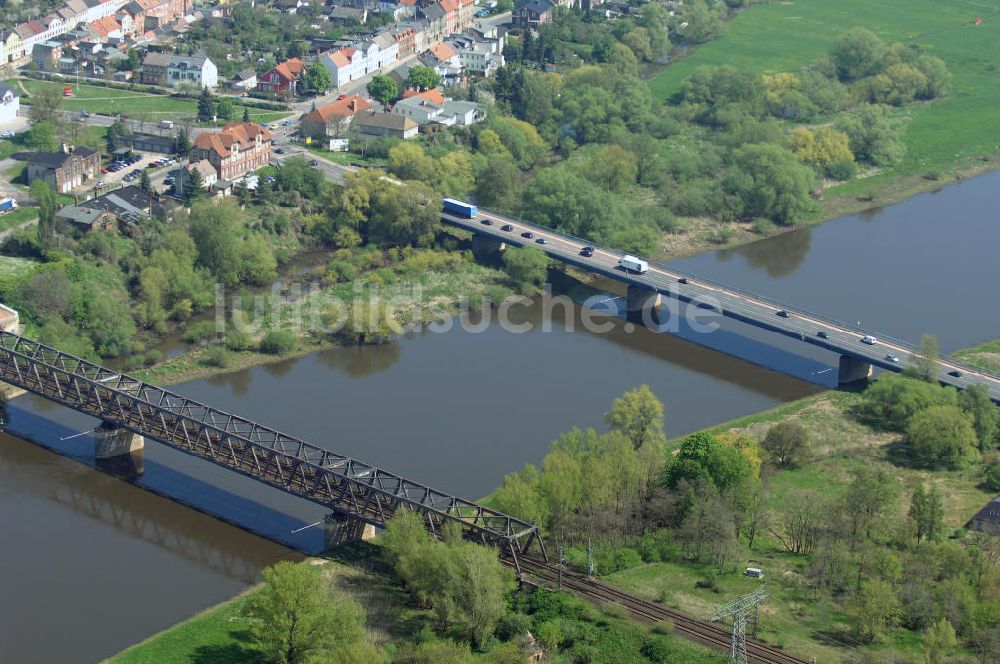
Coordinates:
(118,450)
(342,529)
(484,246)
(642,305)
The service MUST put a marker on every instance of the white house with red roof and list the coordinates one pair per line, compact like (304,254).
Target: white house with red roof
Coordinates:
(234,151)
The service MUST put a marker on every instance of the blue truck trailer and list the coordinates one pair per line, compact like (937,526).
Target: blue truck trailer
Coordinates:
(459,208)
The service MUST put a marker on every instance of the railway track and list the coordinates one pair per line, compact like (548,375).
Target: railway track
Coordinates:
(545,574)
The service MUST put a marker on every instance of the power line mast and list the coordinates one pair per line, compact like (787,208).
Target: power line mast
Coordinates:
(743,610)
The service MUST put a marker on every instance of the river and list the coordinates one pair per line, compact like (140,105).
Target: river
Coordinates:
(93,563)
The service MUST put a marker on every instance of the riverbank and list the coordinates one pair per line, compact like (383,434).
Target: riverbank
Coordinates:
(985,356)
(947,140)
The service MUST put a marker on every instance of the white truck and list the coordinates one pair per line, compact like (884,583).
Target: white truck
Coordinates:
(633,264)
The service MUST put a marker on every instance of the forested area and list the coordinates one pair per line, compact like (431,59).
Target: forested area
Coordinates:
(871,550)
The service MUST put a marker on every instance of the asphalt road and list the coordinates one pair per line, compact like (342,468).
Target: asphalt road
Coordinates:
(749,308)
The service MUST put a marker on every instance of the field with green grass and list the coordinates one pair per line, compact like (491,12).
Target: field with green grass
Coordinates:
(13,267)
(953,134)
(17,217)
(138,105)
(985,356)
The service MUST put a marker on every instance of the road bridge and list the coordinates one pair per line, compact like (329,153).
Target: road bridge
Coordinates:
(493,230)
(354,491)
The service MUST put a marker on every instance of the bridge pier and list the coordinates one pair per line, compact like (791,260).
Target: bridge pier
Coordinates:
(642,305)
(853,370)
(118,451)
(339,529)
(484,246)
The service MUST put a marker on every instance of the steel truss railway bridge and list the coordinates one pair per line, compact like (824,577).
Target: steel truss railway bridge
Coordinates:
(351,489)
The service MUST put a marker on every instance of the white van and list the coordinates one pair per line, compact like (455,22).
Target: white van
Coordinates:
(167,124)
(754,572)
(633,264)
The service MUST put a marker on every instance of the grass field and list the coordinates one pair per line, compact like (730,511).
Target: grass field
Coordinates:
(943,135)
(110,101)
(985,356)
(12,267)
(17,217)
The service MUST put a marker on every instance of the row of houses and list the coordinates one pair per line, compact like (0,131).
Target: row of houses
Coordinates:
(112,22)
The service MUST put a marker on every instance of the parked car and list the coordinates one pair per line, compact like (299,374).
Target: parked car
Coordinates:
(869,339)
(7,134)
(279,151)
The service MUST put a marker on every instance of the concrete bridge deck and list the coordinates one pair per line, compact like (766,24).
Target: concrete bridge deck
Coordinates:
(749,308)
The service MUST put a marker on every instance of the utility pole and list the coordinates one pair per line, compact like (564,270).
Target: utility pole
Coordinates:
(561,560)
(590,559)
(743,610)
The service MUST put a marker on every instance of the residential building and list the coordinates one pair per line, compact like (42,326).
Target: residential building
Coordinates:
(345,64)
(64,170)
(129,204)
(289,6)
(285,77)
(159,13)
(385,124)
(10,103)
(86,219)
(332,120)
(12,49)
(987,519)
(431,107)
(533,14)
(196,69)
(235,150)
(349,15)
(154,68)
(46,55)
(244,81)
(406,40)
(209,176)
(478,56)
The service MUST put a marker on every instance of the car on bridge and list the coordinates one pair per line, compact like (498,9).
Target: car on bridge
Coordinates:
(587,252)
(486,222)
(869,339)
(527,234)
(955,373)
(507,227)
(822,334)
(783,313)
(542,240)
(892,358)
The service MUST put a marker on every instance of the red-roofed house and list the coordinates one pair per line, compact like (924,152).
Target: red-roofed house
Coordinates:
(332,120)
(235,150)
(433,95)
(443,52)
(284,77)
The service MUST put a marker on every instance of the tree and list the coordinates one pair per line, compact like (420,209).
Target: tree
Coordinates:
(182,142)
(771,182)
(298,617)
(422,78)
(46,105)
(42,137)
(927,513)
(876,609)
(319,78)
(246,114)
(703,22)
(194,188)
(869,498)
(638,414)
(942,437)
(874,135)
(527,266)
(401,216)
(993,475)
(895,398)
(216,230)
(475,591)
(819,147)
(787,443)
(938,640)
(924,364)
(975,402)
(857,53)
(497,182)
(383,88)
(225,109)
(48,205)
(144,183)
(206,107)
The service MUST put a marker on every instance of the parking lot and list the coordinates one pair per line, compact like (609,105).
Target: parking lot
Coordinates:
(130,170)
